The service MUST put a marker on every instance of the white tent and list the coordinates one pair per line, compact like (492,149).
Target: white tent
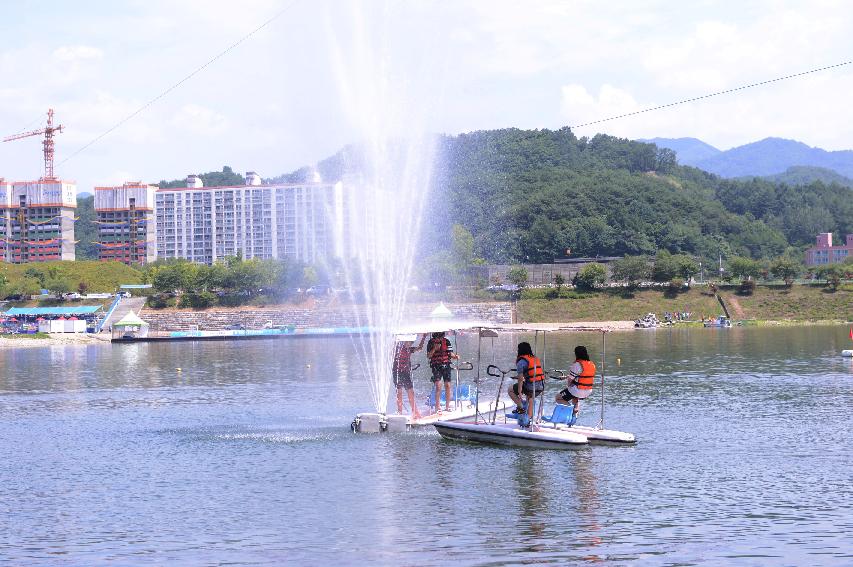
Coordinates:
(441,312)
(130,326)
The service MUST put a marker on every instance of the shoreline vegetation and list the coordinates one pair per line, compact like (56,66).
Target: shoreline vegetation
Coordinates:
(798,305)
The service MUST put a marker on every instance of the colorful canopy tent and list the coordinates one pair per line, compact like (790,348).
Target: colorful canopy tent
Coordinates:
(52,311)
(130,326)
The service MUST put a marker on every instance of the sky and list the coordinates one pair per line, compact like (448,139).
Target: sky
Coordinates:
(325,73)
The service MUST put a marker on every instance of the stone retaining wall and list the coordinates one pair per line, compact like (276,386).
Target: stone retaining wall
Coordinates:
(320,315)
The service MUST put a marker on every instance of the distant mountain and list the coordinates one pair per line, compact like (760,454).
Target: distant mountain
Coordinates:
(804,175)
(770,156)
(690,151)
(83,194)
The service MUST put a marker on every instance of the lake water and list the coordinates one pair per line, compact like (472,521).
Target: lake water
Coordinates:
(111,454)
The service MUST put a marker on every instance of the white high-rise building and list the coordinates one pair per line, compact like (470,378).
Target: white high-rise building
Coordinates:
(204,224)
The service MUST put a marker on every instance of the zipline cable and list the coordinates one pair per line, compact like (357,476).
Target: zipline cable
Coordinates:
(709,95)
(182,81)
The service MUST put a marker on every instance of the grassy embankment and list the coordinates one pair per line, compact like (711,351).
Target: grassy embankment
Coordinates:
(767,303)
(99,277)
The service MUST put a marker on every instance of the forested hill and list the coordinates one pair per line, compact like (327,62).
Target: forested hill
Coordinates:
(804,175)
(528,196)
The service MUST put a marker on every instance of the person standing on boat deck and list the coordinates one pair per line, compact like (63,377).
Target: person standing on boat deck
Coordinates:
(440,353)
(531,379)
(402,371)
(581,378)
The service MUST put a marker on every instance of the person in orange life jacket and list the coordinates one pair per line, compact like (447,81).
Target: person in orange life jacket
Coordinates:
(581,377)
(531,379)
(440,353)
(402,371)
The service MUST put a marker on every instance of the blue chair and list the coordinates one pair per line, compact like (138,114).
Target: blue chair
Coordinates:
(463,393)
(523,418)
(562,414)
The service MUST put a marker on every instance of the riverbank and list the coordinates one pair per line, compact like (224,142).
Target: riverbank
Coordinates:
(800,304)
(56,339)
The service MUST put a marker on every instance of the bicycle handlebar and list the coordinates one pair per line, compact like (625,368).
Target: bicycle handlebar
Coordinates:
(464,366)
(499,371)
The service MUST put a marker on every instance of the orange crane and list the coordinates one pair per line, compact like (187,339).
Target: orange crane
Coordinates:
(48,132)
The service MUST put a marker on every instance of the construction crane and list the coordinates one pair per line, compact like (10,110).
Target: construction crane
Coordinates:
(48,132)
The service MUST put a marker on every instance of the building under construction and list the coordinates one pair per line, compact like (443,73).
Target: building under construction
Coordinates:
(37,217)
(125,219)
(37,220)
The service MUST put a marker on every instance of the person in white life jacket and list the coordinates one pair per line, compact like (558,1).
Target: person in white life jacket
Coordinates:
(580,380)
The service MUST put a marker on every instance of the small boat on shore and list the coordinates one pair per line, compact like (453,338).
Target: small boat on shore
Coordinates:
(722,322)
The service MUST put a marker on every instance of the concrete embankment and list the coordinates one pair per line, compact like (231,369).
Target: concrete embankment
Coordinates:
(318,315)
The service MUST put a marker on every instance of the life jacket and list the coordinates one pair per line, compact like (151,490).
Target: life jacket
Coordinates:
(585,379)
(534,372)
(442,354)
(403,358)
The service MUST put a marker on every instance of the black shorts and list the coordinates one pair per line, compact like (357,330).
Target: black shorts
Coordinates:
(440,372)
(403,380)
(568,396)
(529,388)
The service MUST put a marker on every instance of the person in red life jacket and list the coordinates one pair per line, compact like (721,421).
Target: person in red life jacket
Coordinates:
(402,372)
(440,353)
(581,378)
(531,379)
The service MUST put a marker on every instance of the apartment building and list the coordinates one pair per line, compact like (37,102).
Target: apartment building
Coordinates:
(125,221)
(204,224)
(823,252)
(37,220)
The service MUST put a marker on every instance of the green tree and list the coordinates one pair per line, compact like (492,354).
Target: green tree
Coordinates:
(631,269)
(744,268)
(669,266)
(559,281)
(462,252)
(786,269)
(24,287)
(35,274)
(85,229)
(57,285)
(175,276)
(518,275)
(832,273)
(591,276)
(309,276)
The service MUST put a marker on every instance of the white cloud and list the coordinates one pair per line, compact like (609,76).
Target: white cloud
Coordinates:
(579,106)
(201,120)
(74,53)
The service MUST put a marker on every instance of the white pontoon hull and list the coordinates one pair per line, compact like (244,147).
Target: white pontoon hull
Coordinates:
(464,411)
(511,434)
(601,435)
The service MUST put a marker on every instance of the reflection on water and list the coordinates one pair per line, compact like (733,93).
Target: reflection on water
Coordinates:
(245,455)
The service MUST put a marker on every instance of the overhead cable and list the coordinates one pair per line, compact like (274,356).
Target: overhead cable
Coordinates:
(182,81)
(718,93)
